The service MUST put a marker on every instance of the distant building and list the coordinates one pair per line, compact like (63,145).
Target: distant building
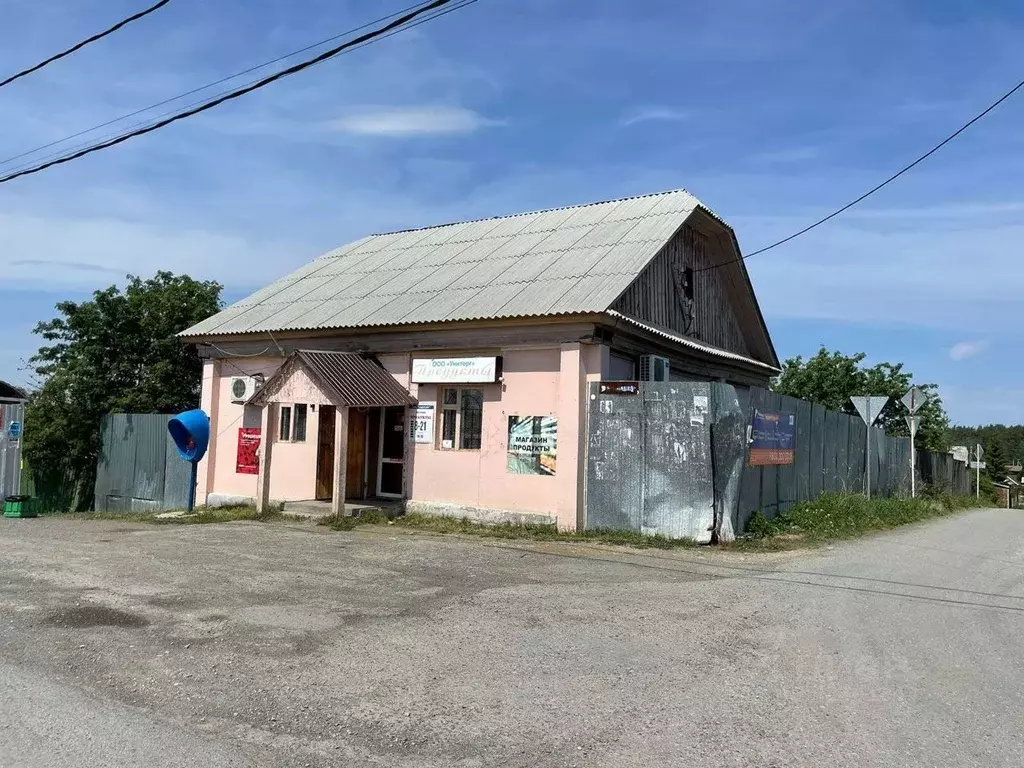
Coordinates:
(11,392)
(450,366)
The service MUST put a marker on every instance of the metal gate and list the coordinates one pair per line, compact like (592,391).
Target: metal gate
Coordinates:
(649,466)
(12,425)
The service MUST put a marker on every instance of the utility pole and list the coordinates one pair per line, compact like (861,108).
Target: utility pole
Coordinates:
(977,465)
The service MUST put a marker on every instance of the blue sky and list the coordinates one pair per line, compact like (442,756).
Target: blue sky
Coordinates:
(771,113)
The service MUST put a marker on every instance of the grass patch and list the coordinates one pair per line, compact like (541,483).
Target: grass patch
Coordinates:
(200,516)
(527,531)
(845,516)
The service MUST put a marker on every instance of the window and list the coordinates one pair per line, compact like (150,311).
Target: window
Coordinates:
(292,428)
(462,413)
(472,418)
(285,433)
(688,283)
(299,427)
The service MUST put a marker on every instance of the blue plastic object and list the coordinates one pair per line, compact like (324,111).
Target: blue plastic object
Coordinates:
(190,432)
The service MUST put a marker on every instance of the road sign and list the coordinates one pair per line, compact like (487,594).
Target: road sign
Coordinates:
(913,422)
(870,407)
(977,465)
(620,388)
(914,399)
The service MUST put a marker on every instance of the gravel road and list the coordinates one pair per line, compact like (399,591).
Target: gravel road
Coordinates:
(288,645)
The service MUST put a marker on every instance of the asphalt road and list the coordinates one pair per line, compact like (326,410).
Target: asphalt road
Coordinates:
(275,645)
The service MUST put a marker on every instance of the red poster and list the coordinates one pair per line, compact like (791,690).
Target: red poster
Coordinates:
(248,462)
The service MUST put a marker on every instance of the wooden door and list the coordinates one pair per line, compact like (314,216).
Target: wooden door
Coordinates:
(355,483)
(325,453)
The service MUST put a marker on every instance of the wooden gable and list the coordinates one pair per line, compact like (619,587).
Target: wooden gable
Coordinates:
(690,288)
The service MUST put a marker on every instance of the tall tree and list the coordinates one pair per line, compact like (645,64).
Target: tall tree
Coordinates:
(116,352)
(1011,437)
(832,378)
(995,460)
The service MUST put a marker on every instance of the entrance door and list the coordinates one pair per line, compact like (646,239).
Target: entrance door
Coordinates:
(325,454)
(355,484)
(392,452)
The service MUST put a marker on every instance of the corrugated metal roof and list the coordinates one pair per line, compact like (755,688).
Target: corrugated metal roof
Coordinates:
(574,260)
(348,379)
(356,381)
(691,343)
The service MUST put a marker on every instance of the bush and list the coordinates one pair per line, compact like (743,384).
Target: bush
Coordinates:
(760,527)
(845,515)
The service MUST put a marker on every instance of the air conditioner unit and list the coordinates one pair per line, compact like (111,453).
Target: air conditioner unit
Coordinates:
(244,387)
(653,368)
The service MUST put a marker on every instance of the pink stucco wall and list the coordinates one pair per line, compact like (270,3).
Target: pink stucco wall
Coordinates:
(481,478)
(293,476)
(225,420)
(537,382)
(548,381)
(293,469)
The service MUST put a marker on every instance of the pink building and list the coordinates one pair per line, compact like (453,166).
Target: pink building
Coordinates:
(448,366)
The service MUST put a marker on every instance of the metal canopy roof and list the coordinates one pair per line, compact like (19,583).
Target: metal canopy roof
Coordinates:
(348,379)
(563,261)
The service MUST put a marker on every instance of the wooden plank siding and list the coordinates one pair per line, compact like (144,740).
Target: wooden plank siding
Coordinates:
(656,295)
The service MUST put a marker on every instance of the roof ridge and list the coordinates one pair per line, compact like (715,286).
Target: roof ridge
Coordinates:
(540,211)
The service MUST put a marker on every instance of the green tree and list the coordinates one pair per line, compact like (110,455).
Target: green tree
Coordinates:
(832,378)
(1011,437)
(995,460)
(117,352)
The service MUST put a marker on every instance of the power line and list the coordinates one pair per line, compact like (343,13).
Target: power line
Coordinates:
(391,28)
(876,188)
(87,41)
(60,153)
(206,87)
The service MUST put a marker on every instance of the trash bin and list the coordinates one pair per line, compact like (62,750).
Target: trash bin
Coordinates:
(20,506)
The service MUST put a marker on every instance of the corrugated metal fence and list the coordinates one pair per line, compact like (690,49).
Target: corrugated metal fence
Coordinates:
(649,466)
(831,449)
(673,459)
(10,447)
(139,467)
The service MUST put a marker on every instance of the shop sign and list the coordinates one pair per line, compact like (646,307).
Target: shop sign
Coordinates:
(620,388)
(423,423)
(454,370)
(248,459)
(772,438)
(532,445)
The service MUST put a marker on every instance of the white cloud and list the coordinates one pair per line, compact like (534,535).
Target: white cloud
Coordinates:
(654,114)
(982,405)
(787,155)
(902,271)
(966,349)
(412,121)
(87,253)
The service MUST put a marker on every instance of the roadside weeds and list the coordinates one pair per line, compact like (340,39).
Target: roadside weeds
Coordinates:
(832,517)
(531,532)
(839,516)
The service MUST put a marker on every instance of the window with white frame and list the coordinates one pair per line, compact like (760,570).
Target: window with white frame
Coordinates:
(292,423)
(462,412)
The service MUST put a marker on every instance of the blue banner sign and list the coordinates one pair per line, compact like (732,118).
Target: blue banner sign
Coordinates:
(772,438)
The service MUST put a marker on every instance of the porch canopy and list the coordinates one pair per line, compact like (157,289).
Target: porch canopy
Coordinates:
(342,379)
(346,379)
